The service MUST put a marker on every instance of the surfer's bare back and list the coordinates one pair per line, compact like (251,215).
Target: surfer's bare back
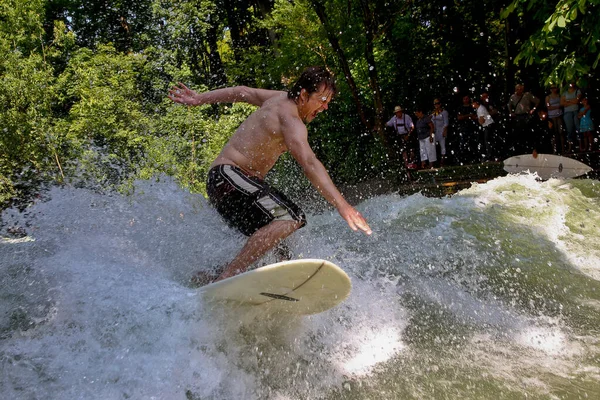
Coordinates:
(235,184)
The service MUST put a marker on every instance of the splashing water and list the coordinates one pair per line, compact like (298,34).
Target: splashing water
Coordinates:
(491,293)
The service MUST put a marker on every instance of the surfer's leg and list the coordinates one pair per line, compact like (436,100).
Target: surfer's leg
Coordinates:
(258,244)
(257,210)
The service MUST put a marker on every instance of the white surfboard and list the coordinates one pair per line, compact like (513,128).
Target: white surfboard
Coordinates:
(306,286)
(546,165)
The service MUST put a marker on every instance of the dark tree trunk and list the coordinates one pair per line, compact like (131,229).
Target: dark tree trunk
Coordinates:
(333,40)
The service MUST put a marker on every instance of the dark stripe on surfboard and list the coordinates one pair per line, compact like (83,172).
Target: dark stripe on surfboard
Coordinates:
(279,296)
(310,277)
(284,297)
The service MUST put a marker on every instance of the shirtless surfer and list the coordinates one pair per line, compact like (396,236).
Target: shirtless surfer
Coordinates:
(235,184)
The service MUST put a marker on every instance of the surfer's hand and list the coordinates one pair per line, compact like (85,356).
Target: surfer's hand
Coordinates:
(183,95)
(355,219)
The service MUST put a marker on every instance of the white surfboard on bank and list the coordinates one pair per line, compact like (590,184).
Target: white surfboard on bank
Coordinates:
(546,166)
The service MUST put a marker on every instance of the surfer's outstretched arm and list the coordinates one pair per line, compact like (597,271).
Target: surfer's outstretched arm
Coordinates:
(184,95)
(296,140)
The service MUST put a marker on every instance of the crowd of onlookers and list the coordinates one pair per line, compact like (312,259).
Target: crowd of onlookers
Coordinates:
(479,130)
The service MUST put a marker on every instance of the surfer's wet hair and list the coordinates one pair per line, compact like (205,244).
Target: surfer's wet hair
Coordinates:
(311,80)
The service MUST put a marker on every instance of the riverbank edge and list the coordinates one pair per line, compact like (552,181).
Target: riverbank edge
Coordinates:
(443,181)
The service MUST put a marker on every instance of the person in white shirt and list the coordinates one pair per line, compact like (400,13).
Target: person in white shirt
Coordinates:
(441,121)
(485,123)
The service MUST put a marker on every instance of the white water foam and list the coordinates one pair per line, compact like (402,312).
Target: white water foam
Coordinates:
(96,301)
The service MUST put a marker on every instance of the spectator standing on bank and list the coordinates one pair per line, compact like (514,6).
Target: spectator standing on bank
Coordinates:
(485,121)
(402,126)
(440,120)
(497,139)
(586,125)
(542,138)
(490,106)
(570,102)
(426,135)
(521,106)
(555,119)
(466,128)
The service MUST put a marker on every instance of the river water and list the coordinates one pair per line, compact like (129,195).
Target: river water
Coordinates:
(491,293)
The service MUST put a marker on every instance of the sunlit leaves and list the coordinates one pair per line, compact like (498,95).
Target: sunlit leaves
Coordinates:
(301,40)
(21,24)
(566,44)
(187,140)
(26,93)
(106,115)
(100,109)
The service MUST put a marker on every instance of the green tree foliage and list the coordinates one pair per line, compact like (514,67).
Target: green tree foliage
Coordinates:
(26,94)
(384,53)
(187,36)
(187,140)
(566,40)
(105,130)
(453,46)
(101,118)
(84,83)
(330,33)
(127,24)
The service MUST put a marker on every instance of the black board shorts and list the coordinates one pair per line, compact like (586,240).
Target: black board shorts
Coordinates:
(247,202)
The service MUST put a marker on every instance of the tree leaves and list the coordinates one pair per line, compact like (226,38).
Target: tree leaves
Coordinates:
(83,84)
(568,26)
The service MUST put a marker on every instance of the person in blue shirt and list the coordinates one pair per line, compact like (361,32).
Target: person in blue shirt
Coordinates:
(586,125)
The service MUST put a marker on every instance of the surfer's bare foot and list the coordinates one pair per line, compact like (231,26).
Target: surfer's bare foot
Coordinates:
(227,274)
(203,278)
(282,252)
